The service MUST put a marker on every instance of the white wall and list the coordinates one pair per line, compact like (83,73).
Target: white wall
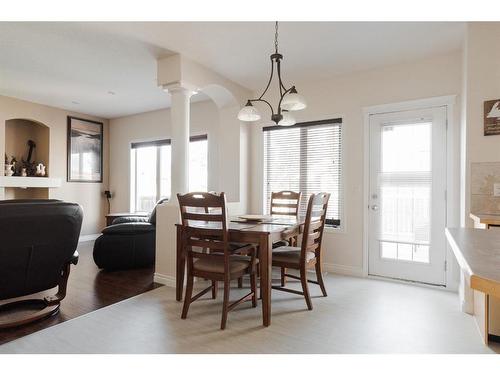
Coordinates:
(481,82)
(345,96)
(156,125)
(89,195)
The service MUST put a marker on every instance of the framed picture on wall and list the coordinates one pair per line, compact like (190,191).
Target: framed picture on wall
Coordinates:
(492,117)
(85,143)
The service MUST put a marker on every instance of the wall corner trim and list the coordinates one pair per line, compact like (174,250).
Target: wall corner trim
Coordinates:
(164,280)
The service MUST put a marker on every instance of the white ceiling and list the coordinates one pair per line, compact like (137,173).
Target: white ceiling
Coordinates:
(76,65)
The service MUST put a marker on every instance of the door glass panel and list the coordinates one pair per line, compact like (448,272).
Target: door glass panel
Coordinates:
(405,183)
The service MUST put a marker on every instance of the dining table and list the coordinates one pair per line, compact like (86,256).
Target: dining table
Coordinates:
(262,233)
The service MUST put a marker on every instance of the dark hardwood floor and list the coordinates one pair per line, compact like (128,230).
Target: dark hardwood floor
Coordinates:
(89,289)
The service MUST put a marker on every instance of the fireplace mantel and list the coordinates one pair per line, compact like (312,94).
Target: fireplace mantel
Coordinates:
(30,182)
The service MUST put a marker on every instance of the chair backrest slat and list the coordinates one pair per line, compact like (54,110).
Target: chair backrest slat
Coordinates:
(202,217)
(285,203)
(312,237)
(312,247)
(201,199)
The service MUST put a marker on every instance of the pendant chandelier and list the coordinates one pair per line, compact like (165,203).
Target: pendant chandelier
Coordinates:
(290,99)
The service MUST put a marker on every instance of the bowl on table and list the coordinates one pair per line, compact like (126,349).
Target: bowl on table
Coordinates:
(255,218)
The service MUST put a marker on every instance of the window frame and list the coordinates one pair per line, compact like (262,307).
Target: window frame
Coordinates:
(133,165)
(332,227)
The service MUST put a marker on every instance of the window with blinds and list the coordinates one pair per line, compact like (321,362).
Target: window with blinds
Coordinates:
(150,171)
(305,157)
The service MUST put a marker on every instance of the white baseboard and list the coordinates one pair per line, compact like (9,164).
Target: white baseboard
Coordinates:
(343,270)
(170,281)
(164,280)
(88,237)
(328,267)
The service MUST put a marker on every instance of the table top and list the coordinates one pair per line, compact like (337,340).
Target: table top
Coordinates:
(488,219)
(275,220)
(275,225)
(478,252)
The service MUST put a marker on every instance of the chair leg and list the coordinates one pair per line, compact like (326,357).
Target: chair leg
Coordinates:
(305,289)
(225,304)
(240,282)
(188,296)
(319,277)
(253,286)
(283,277)
(214,289)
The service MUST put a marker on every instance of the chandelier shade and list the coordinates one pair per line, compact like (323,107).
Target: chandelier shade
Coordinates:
(249,113)
(293,102)
(289,98)
(287,120)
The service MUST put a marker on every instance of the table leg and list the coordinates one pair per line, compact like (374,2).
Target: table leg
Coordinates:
(265,259)
(181,265)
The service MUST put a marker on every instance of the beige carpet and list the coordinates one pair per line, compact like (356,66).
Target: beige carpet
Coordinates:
(358,316)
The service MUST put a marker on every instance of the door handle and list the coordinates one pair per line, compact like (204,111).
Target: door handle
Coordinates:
(374,207)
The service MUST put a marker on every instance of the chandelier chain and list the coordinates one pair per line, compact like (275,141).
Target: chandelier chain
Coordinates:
(276,37)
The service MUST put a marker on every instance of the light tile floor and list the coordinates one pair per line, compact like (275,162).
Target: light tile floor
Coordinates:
(358,316)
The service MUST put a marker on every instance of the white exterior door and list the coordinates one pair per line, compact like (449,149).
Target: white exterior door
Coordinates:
(407,201)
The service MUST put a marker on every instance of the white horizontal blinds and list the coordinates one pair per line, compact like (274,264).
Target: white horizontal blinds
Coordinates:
(156,143)
(163,142)
(305,157)
(405,184)
(281,162)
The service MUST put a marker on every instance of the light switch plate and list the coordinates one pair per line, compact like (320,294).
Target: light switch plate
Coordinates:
(496,190)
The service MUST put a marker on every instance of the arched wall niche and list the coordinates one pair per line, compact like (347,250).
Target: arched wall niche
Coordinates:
(18,131)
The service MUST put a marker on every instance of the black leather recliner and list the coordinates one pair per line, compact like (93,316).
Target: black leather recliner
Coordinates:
(39,241)
(128,243)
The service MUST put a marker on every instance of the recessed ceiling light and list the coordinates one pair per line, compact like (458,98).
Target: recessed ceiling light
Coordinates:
(111,93)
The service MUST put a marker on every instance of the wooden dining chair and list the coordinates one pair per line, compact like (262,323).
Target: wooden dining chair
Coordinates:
(285,203)
(209,230)
(308,255)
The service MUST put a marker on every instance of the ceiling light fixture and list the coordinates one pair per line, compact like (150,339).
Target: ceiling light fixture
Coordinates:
(290,99)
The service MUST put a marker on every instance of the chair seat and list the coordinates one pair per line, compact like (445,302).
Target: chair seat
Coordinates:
(215,264)
(280,243)
(290,254)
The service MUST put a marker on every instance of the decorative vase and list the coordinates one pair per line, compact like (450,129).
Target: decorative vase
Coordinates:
(23,172)
(8,170)
(40,170)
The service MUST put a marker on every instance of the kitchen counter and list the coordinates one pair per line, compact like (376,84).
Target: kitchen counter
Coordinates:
(478,254)
(485,221)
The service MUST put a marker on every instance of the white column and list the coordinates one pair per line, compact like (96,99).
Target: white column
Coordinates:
(167,215)
(179,112)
